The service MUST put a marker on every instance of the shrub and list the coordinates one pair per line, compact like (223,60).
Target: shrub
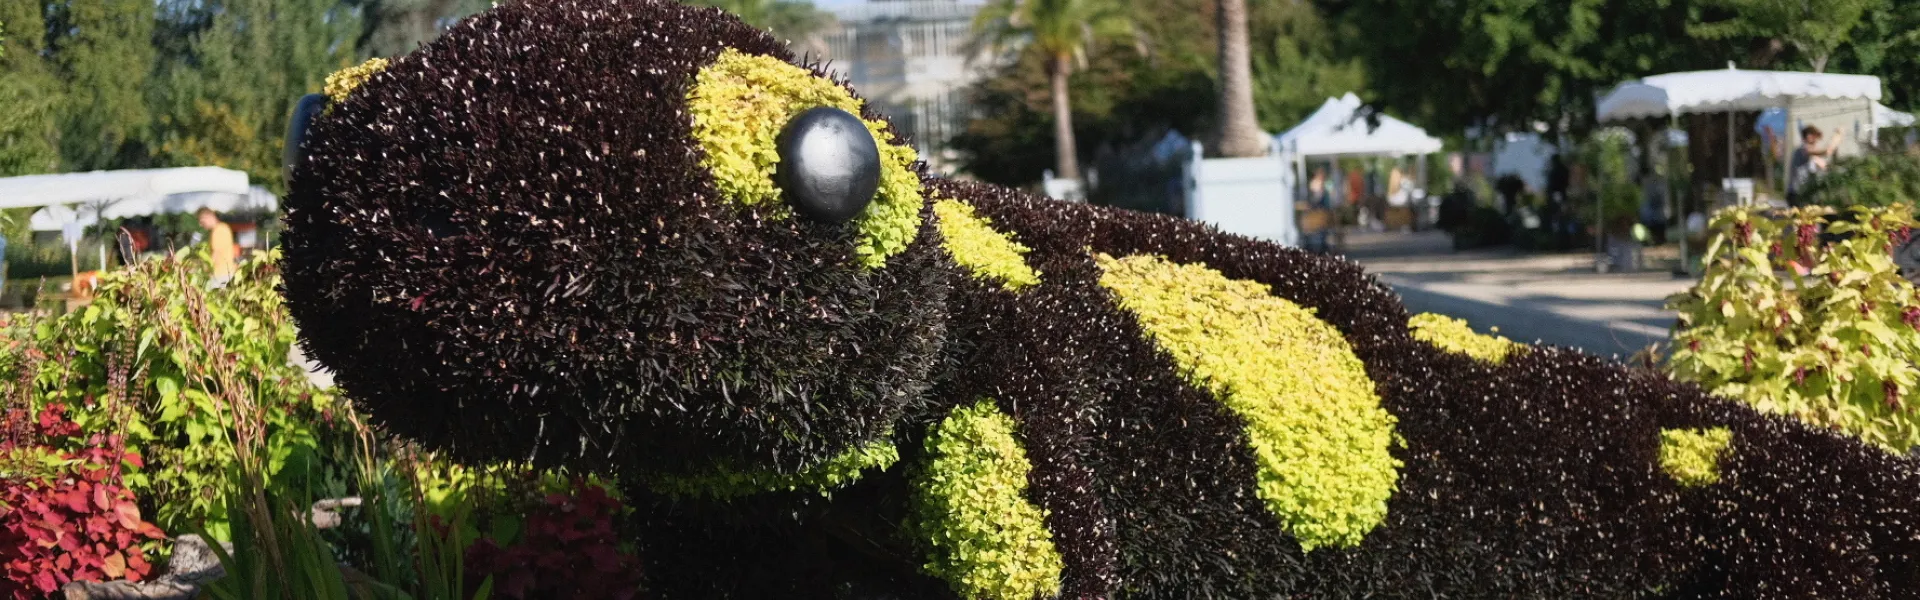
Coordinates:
(985,538)
(1834,348)
(1313,418)
(565,547)
(65,515)
(181,355)
(1877,180)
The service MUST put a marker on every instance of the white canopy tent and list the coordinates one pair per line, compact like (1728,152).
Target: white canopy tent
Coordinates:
(74,200)
(1733,90)
(1338,129)
(108,187)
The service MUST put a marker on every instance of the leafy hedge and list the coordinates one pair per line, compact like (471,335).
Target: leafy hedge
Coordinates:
(1834,348)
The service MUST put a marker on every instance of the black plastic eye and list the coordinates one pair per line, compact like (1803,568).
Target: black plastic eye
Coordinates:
(829,164)
(309,107)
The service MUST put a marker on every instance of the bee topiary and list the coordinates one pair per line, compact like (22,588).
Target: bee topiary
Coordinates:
(640,238)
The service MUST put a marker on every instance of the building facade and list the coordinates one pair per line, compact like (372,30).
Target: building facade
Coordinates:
(909,58)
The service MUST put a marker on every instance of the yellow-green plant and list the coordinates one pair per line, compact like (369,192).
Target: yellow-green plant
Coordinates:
(1835,347)
(725,482)
(1454,335)
(980,249)
(1692,456)
(987,540)
(1318,432)
(742,102)
(342,83)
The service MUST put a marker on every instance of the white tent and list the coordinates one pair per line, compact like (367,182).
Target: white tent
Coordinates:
(1735,90)
(101,188)
(75,200)
(1338,129)
(1887,117)
(1728,90)
(55,218)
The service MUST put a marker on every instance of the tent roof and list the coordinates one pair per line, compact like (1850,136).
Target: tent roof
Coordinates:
(1337,129)
(107,187)
(1774,119)
(1728,90)
(54,218)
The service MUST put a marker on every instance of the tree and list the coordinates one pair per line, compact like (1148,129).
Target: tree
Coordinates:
(104,51)
(1887,43)
(1119,97)
(1504,64)
(787,19)
(228,100)
(1814,30)
(396,27)
(1239,134)
(1062,31)
(29,137)
(1295,66)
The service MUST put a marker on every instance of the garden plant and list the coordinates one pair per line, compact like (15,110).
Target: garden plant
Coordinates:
(642,240)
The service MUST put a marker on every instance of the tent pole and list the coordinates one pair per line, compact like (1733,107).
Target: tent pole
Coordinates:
(1787,136)
(1676,200)
(1729,184)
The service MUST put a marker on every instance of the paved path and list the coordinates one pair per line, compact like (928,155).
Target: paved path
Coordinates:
(1555,299)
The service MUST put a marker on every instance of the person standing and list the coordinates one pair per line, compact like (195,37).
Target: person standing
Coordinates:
(1320,219)
(225,254)
(1810,160)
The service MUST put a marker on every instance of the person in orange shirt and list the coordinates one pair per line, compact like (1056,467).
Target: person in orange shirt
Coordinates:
(226,255)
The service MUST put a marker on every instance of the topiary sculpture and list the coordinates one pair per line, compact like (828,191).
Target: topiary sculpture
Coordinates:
(639,238)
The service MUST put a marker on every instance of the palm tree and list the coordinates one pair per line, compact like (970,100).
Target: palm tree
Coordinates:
(1239,134)
(1061,30)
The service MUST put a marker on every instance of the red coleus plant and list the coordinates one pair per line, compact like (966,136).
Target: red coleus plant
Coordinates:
(65,515)
(567,549)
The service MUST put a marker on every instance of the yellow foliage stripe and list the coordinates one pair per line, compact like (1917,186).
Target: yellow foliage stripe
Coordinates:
(1317,429)
(1454,335)
(983,251)
(1692,456)
(739,105)
(987,540)
(342,83)
(834,473)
